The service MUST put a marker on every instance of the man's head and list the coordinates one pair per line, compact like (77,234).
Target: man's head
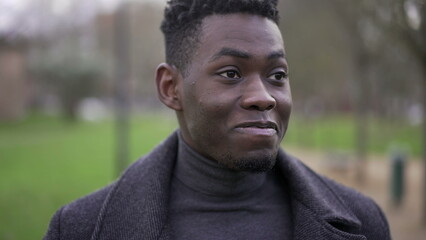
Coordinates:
(182,23)
(226,77)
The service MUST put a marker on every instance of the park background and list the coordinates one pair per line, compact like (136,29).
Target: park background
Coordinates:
(78,101)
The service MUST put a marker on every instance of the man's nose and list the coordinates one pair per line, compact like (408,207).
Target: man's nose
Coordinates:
(256,96)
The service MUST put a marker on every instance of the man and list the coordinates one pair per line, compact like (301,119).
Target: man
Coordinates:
(222,175)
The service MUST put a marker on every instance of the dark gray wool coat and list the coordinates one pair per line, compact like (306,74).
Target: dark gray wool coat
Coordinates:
(135,206)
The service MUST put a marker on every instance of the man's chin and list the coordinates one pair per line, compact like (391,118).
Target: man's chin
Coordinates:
(253,163)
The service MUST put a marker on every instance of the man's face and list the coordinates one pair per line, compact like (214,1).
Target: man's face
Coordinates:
(235,95)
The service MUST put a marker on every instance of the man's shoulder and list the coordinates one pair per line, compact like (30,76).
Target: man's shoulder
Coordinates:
(335,202)
(371,216)
(78,219)
(364,207)
(318,181)
(87,205)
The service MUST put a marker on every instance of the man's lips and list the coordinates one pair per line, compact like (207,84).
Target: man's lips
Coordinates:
(267,128)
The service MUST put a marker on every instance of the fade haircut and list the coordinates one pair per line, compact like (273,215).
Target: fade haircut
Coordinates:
(182,23)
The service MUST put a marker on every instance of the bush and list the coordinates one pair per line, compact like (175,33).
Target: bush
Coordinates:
(71,80)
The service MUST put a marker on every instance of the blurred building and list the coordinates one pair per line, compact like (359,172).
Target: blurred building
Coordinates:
(14,84)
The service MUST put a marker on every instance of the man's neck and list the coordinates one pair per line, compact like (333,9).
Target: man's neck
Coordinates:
(209,177)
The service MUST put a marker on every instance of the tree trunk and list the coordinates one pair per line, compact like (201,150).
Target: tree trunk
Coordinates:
(361,117)
(424,136)
(122,82)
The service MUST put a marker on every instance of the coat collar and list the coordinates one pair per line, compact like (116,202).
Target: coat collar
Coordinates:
(136,208)
(318,211)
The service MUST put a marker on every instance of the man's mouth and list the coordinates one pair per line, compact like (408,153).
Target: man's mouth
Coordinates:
(266,128)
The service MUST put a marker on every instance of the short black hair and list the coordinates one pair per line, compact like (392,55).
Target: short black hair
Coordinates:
(182,20)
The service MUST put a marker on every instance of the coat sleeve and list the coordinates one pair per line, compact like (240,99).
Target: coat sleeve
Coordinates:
(53,232)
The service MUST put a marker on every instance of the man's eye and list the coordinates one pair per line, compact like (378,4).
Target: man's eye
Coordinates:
(230,74)
(278,76)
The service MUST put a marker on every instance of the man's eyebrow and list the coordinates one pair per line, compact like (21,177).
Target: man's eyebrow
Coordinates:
(230,52)
(276,54)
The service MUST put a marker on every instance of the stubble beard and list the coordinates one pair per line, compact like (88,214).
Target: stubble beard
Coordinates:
(254,164)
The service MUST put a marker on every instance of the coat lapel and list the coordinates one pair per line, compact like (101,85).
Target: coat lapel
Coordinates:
(318,212)
(137,206)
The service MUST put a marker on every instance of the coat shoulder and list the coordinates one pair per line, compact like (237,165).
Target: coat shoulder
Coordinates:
(373,221)
(78,219)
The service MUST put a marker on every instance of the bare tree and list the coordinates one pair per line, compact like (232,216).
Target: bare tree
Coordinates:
(403,21)
(121,86)
(355,22)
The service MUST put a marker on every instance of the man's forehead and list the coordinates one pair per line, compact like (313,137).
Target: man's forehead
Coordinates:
(237,53)
(239,34)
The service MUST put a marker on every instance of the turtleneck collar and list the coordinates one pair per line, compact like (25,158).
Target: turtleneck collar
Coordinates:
(209,177)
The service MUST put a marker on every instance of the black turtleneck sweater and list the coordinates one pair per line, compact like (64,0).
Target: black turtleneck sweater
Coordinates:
(209,201)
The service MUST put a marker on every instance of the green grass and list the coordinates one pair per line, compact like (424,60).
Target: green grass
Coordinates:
(339,133)
(46,163)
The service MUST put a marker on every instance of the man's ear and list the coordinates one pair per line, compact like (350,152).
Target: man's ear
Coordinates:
(167,86)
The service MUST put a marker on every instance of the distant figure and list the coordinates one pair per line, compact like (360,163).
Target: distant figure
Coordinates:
(222,174)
